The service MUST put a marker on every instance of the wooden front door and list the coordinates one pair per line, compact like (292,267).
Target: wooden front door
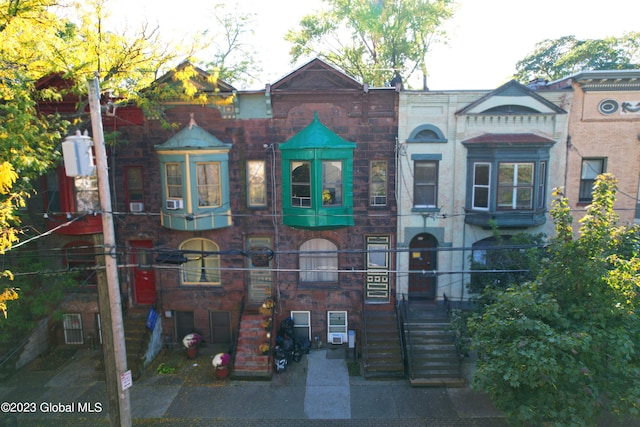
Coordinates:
(423,260)
(144,277)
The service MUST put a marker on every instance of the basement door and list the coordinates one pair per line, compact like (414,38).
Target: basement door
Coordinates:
(144,278)
(423,259)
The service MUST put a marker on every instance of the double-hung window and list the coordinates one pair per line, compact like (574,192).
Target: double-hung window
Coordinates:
(256,183)
(481,185)
(209,184)
(173,173)
(378,183)
(331,183)
(301,184)
(425,184)
(591,168)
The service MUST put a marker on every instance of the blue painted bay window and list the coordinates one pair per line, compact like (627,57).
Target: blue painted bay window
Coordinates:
(194,169)
(317,179)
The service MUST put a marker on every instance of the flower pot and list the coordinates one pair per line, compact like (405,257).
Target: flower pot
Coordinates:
(192,352)
(222,372)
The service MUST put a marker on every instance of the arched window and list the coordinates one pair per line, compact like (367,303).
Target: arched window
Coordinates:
(318,261)
(203,266)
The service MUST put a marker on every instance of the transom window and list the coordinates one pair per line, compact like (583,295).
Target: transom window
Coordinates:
(515,186)
(203,266)
(209,184)
(318,261)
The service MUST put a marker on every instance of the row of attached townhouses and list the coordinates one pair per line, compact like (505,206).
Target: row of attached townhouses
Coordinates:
(346,207)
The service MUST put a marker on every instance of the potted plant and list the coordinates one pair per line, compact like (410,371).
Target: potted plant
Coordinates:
(267,306)
(191,342)
(264,348)
(220,363)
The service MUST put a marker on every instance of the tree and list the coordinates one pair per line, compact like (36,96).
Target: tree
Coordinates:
(555,59)
(233,60)
(563,348)
(373,40)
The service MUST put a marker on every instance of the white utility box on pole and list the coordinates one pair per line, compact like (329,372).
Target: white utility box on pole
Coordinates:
(78,155)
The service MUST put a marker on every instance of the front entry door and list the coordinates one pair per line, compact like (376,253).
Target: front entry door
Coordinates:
(143,275)
(422,264)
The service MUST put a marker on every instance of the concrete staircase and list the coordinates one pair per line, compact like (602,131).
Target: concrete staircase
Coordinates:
(249,364)
(383,353)
(432,356)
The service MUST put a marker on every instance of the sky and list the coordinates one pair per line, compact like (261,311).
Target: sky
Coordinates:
(486,37)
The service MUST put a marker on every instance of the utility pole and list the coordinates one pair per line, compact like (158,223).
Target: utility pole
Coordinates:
(115,354)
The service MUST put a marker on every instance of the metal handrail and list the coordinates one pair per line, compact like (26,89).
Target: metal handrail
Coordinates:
(364,330)
(407,325)
(235,340)
(399,321)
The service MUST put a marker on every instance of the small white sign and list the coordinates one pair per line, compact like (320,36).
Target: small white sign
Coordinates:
(126,381)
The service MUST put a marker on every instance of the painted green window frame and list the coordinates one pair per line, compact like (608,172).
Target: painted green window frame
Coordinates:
(173,180)
(481,197)
(208,184)
(301,184)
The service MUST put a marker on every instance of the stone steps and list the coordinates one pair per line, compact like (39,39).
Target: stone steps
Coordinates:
(383,355)
(249,362)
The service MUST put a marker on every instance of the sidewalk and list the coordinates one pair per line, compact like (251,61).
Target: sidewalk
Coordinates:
(317,391)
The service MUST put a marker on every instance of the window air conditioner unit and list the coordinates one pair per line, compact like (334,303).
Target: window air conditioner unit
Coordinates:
(174,204)
(336,339)
(136,207)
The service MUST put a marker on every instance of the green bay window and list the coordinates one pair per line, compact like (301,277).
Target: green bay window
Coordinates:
(173,173)
(318,185)
(515,186)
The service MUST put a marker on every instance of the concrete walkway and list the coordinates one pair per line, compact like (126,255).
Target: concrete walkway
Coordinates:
(317,391)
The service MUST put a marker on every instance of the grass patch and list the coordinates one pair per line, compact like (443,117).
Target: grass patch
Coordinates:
(353,368)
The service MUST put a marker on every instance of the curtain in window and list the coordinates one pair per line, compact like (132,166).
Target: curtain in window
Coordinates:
(321,264)
(202,267)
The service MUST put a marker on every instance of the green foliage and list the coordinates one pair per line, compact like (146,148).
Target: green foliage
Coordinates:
(166,369)
(38,297)
(555,59)
(371,40)
(521,252)
(563,348)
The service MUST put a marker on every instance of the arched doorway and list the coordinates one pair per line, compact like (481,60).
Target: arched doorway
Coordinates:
(423,261)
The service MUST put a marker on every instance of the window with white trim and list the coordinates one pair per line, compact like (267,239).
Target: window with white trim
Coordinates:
(481,185)
(173,173)
(337,327)
(302,324)
(72,325)
(515,186)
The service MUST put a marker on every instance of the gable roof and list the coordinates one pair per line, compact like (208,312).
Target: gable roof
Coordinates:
(512,93)
(200,80)
(192,137)
(316,135)
(316,75)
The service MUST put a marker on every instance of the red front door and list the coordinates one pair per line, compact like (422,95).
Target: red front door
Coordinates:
(143,275)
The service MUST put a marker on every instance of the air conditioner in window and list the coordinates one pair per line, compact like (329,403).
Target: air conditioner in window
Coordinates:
(136,207)
(174,204)
(336,339)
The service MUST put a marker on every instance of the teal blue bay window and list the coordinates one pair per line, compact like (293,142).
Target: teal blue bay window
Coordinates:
(194,169)
(317,179)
